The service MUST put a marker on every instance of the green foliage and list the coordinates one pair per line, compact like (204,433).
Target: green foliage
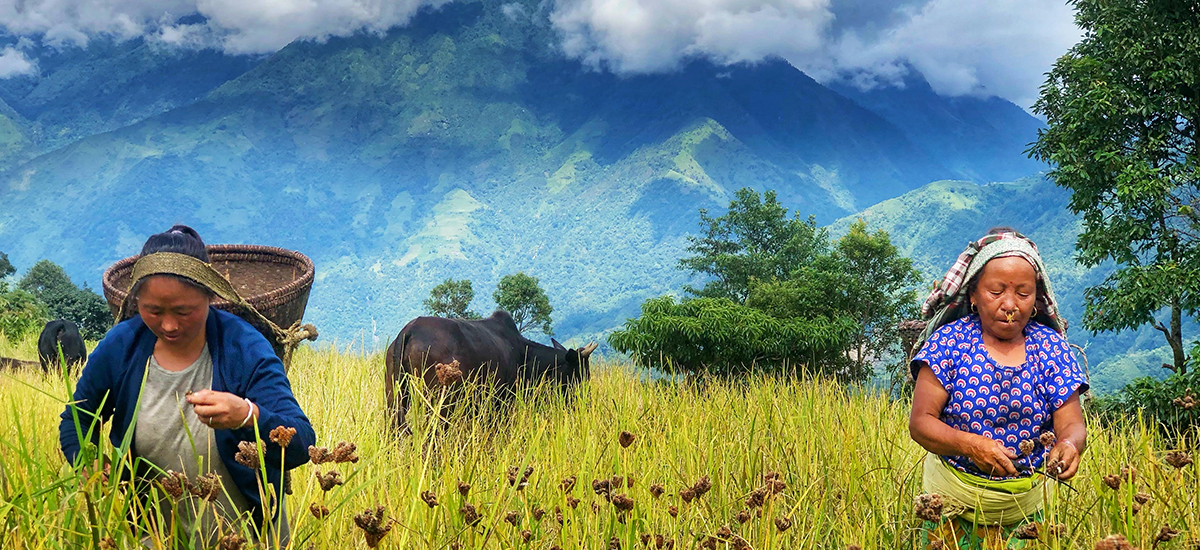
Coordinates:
(718,336)
(1166,402)
(1121,110)
(776,277)
(522,297)
(47,282)
(6,268)
(754,240)
(21,314)
(451,299)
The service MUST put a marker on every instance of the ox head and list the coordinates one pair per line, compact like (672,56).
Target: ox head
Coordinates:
(577,361)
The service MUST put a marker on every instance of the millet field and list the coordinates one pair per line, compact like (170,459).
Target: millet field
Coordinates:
(764,463)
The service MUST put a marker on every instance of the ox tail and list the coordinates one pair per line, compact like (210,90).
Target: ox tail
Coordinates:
(394,371)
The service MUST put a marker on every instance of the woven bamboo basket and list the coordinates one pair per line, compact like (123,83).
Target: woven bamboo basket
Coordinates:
(274,280)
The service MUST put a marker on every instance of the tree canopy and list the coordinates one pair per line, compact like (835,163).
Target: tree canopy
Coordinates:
(47,282)
(1121,112)
(523,298)
(6,268)
(451,299)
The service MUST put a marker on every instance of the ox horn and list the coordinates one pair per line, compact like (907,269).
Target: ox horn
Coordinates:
(587,350)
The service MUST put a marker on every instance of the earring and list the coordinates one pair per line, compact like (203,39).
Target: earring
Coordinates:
(973,308)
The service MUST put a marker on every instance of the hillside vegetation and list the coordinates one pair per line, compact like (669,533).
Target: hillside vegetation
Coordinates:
(850,471)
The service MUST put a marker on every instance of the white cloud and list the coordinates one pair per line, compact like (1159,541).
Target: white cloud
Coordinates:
(655,35)
(991,47)
(13,63)
(237,26)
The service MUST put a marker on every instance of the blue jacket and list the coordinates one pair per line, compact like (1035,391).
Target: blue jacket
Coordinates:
(243,364)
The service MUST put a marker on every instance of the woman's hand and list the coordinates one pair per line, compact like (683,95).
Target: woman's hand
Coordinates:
(991,456)
(219,410)
(1064,455)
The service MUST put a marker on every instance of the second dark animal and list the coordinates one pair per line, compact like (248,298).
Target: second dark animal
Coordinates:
(489,349)
(60,333)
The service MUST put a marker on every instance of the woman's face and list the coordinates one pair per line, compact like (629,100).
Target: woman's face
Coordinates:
(173,310)
(1005,296)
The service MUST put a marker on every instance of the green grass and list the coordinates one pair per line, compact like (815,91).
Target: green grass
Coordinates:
(851,470)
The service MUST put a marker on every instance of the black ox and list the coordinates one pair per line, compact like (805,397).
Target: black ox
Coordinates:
(485,350)
(65,334)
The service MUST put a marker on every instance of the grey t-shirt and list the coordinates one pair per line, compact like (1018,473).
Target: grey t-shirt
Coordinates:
(170,435)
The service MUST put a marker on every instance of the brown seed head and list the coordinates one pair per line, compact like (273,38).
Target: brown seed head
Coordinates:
(207,487)
(602,487)
(614,544)
(661,542)
(1056,467)
(1028,531)
(429,498)
(687,494)
(318,511)
(1166,534)
(464,488)
(470,514)
(673,510)
(1178,459)
(702,486)
(709,543)
(513,517)
(572,502)
(1128,473)
(344,452)
(1113,481)
(567,484)
(247,454)
(783,523)
(776,486)
(449,373)
(1141,497)
(629,481)
(1048,439)
(743,516)
(1056,531)
(936,544)
(757,497)
(282,436)
(558,515)
(724,532)
(329,480)
(526,535)
(853,547)
(174,483)
(374,524)
(738,543)
(622,502)
(319,455)
(108,543)
(617,481)
(656,490)
(645,539)
(232,541)
(626,439)
(1026,447)
(1114,542)
(929,507)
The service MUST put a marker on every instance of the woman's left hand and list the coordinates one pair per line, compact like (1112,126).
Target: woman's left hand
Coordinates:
(1064,453)
(218,410)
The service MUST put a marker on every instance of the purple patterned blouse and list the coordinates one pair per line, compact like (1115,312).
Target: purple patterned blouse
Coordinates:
(1007,404)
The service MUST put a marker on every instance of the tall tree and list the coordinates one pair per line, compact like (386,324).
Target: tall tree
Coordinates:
(50,285)
(1121,109)
(451,299)
(522,297)
(6,268)
(754,240)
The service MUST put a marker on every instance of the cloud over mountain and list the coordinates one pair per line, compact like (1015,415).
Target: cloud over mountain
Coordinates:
(999,47)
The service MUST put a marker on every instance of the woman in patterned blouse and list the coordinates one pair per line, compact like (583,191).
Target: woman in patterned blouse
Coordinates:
(996,395)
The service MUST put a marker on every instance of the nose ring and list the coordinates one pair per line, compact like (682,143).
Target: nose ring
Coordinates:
(1011,315)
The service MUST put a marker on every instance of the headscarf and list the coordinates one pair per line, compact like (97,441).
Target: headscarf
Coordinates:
(949,300)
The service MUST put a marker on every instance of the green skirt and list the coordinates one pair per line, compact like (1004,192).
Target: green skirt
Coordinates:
(962,534)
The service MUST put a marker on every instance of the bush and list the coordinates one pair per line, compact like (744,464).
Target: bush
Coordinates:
(1173,404)
(21,314)
(718,336)
(50,285)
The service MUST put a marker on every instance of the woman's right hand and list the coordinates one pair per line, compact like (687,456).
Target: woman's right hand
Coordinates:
(991,456)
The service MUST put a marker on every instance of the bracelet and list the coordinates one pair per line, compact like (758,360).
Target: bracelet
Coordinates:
(249,413)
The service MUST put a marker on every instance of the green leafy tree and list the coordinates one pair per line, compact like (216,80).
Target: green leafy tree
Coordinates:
(47,282)
(754,240)
(1121,109)
(522,297)
(6,268)
(21,314)
(451,299)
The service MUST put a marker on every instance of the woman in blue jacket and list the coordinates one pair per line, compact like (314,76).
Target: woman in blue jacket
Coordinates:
(188,383)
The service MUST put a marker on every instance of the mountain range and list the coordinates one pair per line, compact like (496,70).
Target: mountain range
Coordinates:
(466,145)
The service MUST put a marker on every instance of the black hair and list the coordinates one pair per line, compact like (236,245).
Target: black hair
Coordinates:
(179,239)
(1001,229)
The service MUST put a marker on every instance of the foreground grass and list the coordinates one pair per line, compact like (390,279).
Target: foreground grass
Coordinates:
(851,470)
